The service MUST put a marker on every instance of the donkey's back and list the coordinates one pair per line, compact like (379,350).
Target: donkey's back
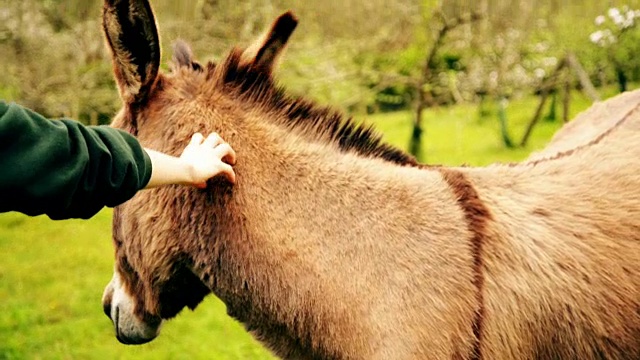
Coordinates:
(593,124)
(562,259)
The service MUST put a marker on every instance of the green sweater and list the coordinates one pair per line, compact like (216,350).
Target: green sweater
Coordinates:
(64,169)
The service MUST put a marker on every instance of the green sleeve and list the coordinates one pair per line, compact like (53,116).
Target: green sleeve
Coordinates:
(64,169)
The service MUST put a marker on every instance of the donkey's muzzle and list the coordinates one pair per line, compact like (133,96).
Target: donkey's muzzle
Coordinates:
(119,307)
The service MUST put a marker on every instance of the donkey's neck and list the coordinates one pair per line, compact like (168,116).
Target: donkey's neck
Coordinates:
(316,247)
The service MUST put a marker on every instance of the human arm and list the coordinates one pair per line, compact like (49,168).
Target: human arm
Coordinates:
(64,169)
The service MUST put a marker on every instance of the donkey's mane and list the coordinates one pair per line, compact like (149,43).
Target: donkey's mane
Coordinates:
(256,86)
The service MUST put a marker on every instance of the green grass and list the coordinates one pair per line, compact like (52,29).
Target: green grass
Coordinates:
(52,273)
(459,135)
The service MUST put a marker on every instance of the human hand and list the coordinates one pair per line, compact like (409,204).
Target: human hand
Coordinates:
(207,158)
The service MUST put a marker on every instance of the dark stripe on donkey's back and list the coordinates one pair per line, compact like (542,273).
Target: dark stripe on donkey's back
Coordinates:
(477,216)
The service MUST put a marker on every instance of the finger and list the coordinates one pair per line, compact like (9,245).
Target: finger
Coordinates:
(213,140)
(228,172)
(230,158)
(196,139)
(202,185)
(226,153)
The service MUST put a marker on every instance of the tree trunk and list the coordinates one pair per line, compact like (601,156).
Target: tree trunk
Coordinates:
(415,145)
(424,98)
(547,86)
(543,99)
(622,79)
(551,115)
(504,128)
(566,101)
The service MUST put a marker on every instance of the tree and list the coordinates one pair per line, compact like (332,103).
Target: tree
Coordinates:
(424,97)
(618,35)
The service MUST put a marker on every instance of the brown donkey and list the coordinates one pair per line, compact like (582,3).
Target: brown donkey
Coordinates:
(333,245)
(593,125)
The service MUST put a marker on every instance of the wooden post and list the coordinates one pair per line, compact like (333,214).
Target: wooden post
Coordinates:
(543,99)
(583,77)
(546,87)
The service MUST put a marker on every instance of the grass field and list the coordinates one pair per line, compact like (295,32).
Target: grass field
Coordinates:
(52,273)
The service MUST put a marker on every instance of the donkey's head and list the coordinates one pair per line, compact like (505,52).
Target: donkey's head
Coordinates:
(155,232)
(158,233)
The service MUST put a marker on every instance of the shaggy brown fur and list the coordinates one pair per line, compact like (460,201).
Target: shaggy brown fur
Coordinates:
(329,247)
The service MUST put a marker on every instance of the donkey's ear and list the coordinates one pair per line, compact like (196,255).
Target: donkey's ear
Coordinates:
(264,52)
(130,29)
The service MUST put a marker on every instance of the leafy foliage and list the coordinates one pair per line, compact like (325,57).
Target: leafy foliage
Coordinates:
(362,56)
(618,40)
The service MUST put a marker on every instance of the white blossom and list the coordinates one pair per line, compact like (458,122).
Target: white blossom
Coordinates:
(618,19)
(539,73)
(600,20)
(613,12)
(603,37)
(608,36)
(596,37)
